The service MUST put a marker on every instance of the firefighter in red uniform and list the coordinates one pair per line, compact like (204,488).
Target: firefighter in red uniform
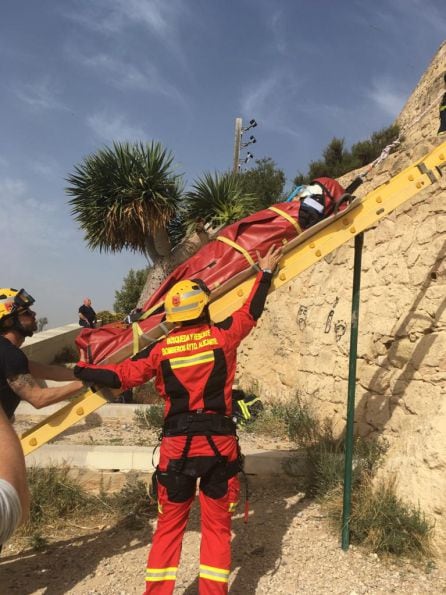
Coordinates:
(194,366)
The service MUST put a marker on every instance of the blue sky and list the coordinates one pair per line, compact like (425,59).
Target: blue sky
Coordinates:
(78,74)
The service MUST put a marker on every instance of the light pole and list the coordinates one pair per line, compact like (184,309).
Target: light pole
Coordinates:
(238,144)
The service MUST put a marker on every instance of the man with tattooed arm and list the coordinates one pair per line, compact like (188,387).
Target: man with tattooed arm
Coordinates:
(18,374)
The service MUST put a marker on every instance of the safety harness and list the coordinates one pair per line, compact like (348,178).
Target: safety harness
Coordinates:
(199,423)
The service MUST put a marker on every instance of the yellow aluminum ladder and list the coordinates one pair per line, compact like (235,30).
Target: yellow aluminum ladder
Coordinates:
(299,254)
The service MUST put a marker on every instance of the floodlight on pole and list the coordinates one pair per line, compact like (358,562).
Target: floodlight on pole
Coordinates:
(251,141)
(238,144)
(252,124)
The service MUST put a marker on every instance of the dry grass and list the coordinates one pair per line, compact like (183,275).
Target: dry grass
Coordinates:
(381,521)
(58,500)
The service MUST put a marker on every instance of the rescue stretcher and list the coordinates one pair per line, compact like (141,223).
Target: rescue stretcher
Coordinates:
(300,252)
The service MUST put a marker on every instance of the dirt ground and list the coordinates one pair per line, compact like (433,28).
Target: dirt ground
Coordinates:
(286,548)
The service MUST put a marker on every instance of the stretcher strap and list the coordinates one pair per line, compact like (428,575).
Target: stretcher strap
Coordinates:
(288,217)
(239,249)
(147,313)
(137,333)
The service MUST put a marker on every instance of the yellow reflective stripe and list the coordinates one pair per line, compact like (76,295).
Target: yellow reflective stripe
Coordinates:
(221,575)
(192,360)
(161,574)
(238,248)
(137,332)
(244,409)
(288,217)
(232,506)
(160,508)
(147,313)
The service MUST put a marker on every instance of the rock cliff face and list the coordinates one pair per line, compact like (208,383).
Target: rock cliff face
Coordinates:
(301,344)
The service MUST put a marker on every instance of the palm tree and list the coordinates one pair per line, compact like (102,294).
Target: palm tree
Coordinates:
(217,200)
(128,196)
(213,202)
(125,196)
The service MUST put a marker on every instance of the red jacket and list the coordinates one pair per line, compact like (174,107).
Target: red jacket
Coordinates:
(194,365)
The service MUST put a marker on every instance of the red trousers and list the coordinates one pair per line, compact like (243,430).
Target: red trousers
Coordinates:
(218,500)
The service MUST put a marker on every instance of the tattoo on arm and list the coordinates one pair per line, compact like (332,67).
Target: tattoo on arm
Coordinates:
(21,383)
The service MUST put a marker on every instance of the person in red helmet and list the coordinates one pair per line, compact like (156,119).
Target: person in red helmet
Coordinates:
(194,366)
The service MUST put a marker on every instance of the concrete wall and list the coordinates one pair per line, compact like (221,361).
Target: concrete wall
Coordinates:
(44,346)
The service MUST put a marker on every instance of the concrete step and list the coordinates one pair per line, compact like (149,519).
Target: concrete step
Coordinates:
(110,411)
(139,458)
(113,463)
(109,467)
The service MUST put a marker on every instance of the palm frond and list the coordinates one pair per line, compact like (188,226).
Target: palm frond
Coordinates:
(217,199)
(122,195)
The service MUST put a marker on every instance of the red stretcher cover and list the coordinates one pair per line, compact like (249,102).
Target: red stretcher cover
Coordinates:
(215,263)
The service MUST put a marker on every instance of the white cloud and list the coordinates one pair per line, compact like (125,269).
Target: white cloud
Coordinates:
(109,17)
(424,13)
(114,127)
(27,224)
(278,32)
(48,168)
(121,74)
(267,100)
(156,15)
(39,95)
(386,96)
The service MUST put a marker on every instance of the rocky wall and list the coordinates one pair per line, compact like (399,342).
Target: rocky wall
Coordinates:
(301,344)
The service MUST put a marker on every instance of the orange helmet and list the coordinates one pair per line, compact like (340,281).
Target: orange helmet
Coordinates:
(186,300)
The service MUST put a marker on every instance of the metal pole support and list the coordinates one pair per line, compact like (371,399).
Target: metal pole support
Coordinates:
(237,143)
(359,241)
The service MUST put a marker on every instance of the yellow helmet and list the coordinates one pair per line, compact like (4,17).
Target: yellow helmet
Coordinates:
(13,301)
(186,300)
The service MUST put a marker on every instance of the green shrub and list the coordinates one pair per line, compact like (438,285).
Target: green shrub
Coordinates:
(54,495)
(66,355)
(337,160)
(106,317)
(379,519)
(383,522)
(268,423)
(37,542)
(150,417)
(326,456)
(301,425)
(146,393)
(293,420)
(132,502)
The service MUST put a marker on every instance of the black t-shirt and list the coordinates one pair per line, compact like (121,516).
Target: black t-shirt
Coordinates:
(88,312)
(12,363)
